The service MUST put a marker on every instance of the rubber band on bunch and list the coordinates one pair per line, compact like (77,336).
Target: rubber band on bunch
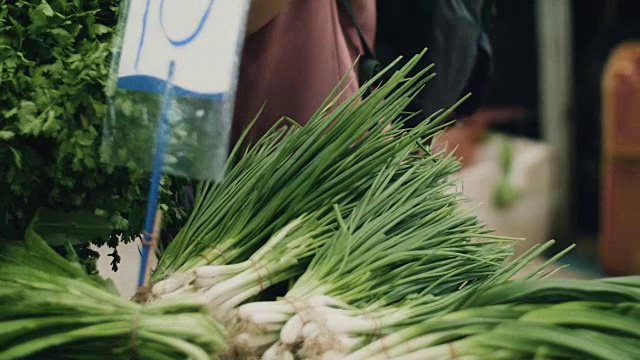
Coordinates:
(452,351)
(292,302)
(258,268)
(385,348)
(220,252)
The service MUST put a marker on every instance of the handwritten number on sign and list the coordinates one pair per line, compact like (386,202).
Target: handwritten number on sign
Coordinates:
(193,35)
(173,41)
(145,16)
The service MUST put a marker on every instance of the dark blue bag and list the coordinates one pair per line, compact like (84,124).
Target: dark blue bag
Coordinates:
(456,33)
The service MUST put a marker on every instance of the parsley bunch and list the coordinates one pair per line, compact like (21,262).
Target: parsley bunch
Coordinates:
(54,61)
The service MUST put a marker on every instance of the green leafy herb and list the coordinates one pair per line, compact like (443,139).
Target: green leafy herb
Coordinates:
(54,60)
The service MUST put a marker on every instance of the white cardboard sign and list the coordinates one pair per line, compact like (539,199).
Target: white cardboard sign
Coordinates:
(201,37)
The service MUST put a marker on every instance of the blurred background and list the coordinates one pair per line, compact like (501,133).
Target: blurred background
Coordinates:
(555,150)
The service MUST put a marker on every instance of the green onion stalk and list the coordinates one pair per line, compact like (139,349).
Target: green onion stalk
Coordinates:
(407,236)
(539,318)
(52,309)
(293,171)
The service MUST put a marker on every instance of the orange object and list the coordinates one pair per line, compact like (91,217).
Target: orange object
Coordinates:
(620,234)
(620,192)
(463,138)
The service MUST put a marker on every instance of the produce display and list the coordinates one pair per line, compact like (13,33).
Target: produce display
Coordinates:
(342,239)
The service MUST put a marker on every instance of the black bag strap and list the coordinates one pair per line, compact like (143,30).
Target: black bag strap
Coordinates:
(346,5)
(368,65)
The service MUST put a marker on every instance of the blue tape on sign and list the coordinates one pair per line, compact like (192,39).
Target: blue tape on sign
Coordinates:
(154,85)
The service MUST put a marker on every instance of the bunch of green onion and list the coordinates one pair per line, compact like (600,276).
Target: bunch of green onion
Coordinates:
(51,309)
(329,329)
(332,332)
(283,257)
(293,172)
(406,238)
(526,319)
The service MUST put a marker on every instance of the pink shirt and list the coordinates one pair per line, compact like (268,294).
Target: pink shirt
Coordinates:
(292,64)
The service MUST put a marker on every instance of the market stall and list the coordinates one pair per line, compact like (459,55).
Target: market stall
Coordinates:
(348,238)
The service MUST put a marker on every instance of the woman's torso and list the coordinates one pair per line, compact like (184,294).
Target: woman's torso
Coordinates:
(293,63)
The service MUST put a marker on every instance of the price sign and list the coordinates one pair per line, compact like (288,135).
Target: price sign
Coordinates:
(201,36)
(171,93)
